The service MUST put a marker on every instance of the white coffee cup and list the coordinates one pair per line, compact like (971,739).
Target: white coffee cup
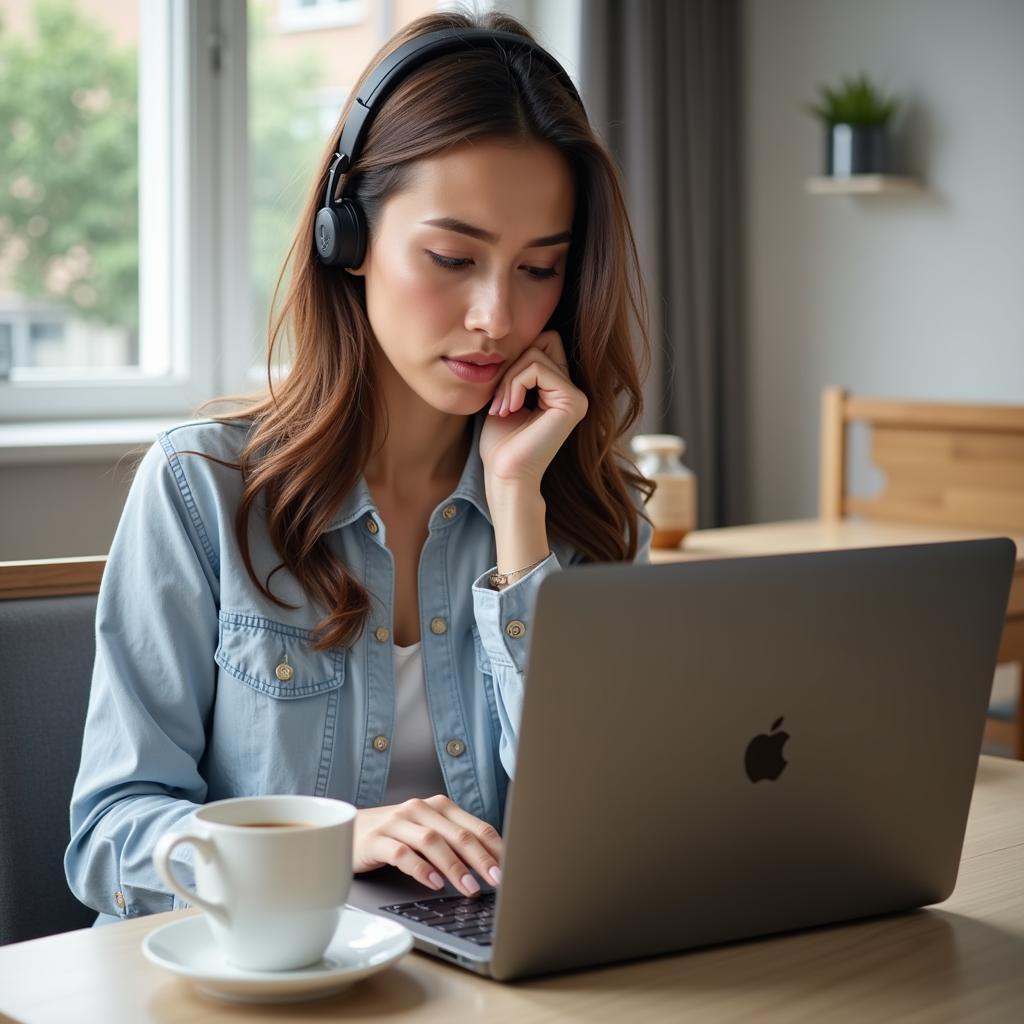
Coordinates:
(272,873)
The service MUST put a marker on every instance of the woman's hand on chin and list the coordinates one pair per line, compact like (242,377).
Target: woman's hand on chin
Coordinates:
(518,444)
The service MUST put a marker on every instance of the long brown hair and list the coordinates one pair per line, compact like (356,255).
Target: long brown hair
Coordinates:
(311,433)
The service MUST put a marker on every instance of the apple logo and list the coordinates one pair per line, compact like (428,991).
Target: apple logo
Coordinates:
(764,758)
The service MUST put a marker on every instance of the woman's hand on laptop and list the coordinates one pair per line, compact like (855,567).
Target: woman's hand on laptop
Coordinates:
(430,839)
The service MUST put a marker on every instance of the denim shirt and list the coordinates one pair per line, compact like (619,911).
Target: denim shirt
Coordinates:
(204,689)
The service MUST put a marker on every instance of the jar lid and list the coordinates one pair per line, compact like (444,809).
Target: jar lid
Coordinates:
(644,443)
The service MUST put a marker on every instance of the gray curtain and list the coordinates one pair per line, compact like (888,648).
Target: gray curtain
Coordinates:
(661,81)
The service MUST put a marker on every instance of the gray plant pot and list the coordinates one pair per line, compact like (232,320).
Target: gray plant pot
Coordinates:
(856,149)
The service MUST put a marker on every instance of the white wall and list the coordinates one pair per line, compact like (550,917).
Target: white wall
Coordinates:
(899,297)
(61,510)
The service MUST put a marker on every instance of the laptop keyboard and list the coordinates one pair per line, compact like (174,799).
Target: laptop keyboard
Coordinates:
(466,917)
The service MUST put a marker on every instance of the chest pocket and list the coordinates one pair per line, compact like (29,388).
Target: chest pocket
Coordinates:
(274,730)
(276,659)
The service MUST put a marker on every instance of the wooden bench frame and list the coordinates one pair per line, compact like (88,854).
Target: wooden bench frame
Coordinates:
(51,577)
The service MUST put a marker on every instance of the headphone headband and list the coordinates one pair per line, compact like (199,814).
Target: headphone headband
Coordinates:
(381,83)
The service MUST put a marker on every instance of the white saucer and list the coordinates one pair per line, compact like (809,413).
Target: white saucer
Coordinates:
(362,945)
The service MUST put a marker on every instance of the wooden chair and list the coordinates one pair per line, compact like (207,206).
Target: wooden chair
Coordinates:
(47,625)
(946,464)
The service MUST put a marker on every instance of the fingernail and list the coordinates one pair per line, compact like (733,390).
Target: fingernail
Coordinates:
(435,880)
(470,884)
(495,874)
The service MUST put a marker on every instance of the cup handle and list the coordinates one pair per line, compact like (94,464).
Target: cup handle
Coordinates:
(162,861)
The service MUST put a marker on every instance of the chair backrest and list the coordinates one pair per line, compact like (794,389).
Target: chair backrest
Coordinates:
(944,463)
(47,646)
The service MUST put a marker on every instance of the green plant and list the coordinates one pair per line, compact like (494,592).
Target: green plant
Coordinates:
(855,101)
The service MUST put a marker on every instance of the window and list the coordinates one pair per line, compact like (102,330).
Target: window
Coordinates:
(91,257)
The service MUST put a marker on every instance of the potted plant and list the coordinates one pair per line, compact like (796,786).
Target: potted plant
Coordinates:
(855,116)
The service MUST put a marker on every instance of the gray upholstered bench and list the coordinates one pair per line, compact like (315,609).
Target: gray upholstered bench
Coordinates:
(47,645)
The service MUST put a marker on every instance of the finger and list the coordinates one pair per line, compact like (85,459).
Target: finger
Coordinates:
(486,833)
(389,850)
(530,360)
(429,843)
(503,407)
(540,373)
(551,343)
(465,836)
(499,394)
(502,392)
(556,360)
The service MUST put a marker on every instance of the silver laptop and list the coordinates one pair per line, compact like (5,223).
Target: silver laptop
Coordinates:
(716,750)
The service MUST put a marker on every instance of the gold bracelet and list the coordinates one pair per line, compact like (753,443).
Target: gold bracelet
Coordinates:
(500,579)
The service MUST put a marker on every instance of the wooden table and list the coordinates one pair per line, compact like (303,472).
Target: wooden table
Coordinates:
(796,535)
(963,960)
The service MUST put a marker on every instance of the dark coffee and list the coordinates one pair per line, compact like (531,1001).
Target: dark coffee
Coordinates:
(273,824)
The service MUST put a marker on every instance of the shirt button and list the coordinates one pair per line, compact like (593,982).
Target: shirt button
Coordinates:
(455,747)
(381,633)
(380,744)
(516,629)
(119,899)
(438,626)
(371,525)
(450,512)
(284,672)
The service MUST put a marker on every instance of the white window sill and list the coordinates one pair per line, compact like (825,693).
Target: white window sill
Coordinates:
(35,444)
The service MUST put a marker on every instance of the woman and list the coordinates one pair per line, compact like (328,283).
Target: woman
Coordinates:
(330,592)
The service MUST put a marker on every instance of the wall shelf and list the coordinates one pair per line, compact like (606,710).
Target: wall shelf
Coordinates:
(863,185)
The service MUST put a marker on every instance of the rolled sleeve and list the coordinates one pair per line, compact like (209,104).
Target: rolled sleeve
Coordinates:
(504,617)
(152,691)
(505,621)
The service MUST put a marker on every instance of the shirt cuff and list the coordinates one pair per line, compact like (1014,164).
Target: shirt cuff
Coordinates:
(142,899)
(505,617)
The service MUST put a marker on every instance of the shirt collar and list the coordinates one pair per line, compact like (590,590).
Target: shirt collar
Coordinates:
(470,486)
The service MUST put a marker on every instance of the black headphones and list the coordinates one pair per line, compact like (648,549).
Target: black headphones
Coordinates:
(339,236)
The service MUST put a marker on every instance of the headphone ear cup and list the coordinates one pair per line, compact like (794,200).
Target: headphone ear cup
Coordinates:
(351,234)
(326,234)
(340,234)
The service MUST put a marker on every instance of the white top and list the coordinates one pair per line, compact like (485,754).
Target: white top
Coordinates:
(414,769)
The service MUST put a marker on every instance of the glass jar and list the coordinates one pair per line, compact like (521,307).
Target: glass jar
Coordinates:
(673,506)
